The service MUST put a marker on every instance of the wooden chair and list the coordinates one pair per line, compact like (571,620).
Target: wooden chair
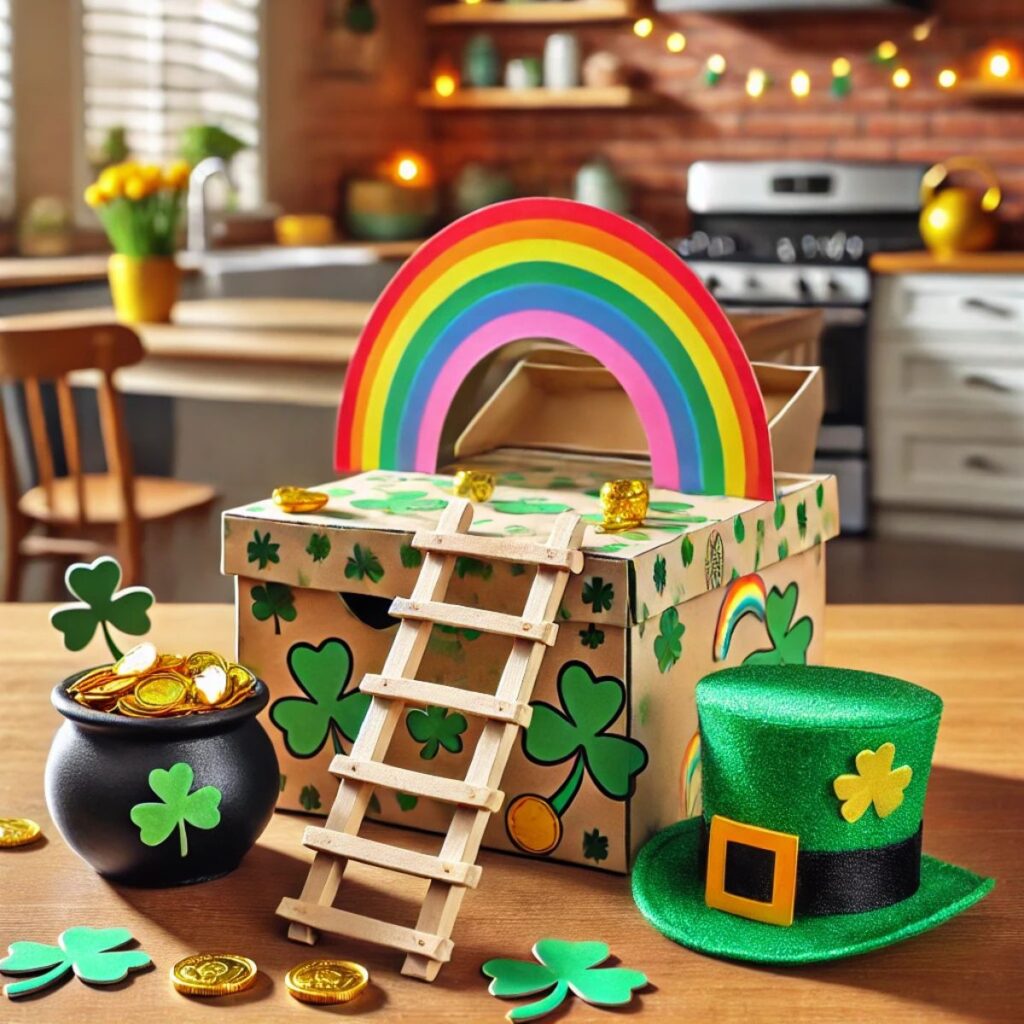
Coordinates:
(67,507)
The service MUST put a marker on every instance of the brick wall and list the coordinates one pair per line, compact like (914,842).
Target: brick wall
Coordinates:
(653,148)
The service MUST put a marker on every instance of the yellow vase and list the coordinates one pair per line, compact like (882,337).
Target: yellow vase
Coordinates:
(144,289)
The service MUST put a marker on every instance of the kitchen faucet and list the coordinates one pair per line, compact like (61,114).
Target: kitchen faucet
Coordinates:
(198,234)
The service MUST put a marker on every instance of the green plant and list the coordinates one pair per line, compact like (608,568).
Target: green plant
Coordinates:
(319,546)
(177,807)
(789,640)
(273,600)
(668,644)
(322,673)
(100,606)
(363,563)
(94,954)
(200,141)
(436,727)
(562,967)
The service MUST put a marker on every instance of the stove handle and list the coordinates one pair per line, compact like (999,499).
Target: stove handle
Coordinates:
(992,308)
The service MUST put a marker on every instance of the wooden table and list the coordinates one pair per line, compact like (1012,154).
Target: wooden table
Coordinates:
(967,970)
(921,261)
(297,350)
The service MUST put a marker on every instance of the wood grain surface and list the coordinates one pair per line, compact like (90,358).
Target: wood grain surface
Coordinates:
(967,970)
(921,261)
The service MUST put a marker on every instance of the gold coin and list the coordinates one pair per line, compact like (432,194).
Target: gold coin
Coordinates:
(213,974)
(326,981)
(141,658)
(161,691)
(241,677)
(624,504)
(200,660)
(473,484)
(296,500)
(18,832)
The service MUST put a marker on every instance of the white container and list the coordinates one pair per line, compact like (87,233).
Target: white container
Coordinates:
(562,61)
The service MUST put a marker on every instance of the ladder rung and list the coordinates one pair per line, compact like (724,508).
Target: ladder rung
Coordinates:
(415,691)
(499,549)
(451,791)
(369,929)
(394,858)
(474,618)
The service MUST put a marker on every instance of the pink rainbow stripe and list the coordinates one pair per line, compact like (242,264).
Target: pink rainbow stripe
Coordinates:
(745,595)
(515,326)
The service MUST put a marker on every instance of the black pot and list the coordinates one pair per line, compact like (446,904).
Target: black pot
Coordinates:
(102,767)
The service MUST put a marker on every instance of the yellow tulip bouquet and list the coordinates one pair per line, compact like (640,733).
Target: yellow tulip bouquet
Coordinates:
(139,206)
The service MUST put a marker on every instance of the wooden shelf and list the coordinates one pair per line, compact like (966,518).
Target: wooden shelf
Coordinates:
(985,91)
(583,98)
(494,12)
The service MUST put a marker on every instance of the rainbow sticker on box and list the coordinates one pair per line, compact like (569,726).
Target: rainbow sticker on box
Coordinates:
(625,368)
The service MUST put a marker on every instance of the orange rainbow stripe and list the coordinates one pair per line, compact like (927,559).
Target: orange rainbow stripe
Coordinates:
(745,595)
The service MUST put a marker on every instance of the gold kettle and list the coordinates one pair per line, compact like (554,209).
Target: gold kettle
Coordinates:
(958,218)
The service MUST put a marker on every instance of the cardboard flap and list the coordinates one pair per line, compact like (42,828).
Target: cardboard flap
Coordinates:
(559,399)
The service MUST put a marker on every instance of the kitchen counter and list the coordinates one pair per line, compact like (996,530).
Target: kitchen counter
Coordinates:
(296,350)
(921,261)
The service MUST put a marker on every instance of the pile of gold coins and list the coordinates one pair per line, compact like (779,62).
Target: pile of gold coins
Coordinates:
(147,684)
(314,981)
(624,504)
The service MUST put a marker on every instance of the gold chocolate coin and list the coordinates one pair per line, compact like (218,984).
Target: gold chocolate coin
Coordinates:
(161,691)
(18,832)
(140,658)
(326,981)
(296,500)
(473,484)
(213,974)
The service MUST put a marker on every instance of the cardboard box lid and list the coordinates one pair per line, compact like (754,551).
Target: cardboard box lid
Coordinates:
(559,399)
(689,544)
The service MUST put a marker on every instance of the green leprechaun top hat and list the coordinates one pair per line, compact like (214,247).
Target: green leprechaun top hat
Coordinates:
(809,847)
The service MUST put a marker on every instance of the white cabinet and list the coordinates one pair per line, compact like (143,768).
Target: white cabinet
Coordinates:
(947,399)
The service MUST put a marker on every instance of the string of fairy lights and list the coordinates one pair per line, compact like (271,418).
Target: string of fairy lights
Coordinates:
(895,60)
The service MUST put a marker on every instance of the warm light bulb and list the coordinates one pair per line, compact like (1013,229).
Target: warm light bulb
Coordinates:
(470,3)
(407,169)
(887,50)
(947,78)
(643,27)
(999,65)
(716,64)
(757,82)
(676,42)
(901,78)
(841,67)
(923,30)
(444,85)
(800,84)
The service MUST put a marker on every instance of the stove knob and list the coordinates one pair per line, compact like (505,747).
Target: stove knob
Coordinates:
(855,247)
(804,288)
(785,250)
(752,283)
(810,246)
(834,287)
(712,283)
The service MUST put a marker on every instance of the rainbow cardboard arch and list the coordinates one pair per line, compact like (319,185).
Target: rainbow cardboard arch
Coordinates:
(563,271)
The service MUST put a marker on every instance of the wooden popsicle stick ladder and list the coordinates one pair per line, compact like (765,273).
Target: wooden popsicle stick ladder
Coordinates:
(428,945)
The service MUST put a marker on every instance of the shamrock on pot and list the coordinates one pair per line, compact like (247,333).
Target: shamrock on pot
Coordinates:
(577,733)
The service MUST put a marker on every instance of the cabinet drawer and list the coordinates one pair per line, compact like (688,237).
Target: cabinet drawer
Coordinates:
(979,303)
(925,463)
(939,377)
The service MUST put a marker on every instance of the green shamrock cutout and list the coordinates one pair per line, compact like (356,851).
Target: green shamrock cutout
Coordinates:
(789,640)
(410,556)
(401,502)
(436,727)
(592,637)
(178,807)
(260,549)
(687,550)
(598,594)
(668,644)
(309,797)
(100,605)
(319,546)
(94,954)
(466,566)
(801,519)
(273,600)
(529,507)
(322,673)
(363,563)
(660,574)
(595,846)
(563,967)
(576,732)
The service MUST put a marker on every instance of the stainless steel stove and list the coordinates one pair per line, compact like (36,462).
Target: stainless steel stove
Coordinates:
(799,234)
